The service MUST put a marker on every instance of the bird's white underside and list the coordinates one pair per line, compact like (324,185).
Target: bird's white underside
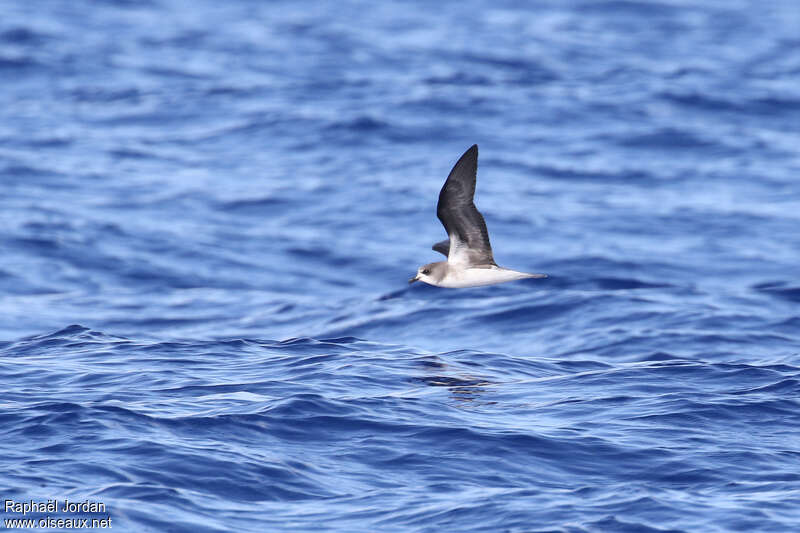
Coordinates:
(457,278)
(462,272)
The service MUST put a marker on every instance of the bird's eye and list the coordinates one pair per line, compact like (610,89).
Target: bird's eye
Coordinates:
(426,271)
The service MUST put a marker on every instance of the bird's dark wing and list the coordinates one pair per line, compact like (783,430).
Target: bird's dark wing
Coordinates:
(469,238)
(442,247)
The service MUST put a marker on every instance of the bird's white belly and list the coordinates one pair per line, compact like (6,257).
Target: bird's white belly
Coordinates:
(475,277)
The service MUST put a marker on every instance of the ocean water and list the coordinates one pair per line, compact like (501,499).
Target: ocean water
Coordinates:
(209,212)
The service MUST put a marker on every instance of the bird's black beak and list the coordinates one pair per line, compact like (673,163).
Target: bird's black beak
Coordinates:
(412,280)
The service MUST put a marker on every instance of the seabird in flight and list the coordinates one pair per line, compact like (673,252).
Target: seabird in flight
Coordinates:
(469,255)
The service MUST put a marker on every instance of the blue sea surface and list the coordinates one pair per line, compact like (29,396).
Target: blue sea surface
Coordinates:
(209,212)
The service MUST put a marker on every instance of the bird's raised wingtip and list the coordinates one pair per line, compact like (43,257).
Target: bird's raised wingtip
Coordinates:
(442,247)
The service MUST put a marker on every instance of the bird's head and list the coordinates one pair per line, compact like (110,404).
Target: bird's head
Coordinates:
(430,273)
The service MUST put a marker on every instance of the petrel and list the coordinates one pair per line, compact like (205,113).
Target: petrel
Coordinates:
(469,255)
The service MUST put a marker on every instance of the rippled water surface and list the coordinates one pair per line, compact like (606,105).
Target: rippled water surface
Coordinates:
(210,210)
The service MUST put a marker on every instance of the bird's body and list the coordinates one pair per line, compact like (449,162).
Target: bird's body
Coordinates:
(444,275)
(470,262)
